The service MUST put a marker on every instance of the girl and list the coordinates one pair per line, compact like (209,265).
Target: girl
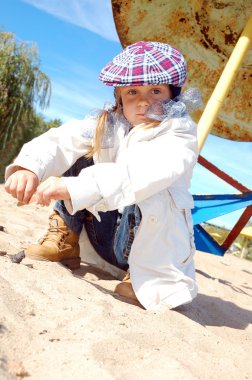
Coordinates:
(127,171)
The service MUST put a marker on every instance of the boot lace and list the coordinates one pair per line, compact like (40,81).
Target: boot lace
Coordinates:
(55,234)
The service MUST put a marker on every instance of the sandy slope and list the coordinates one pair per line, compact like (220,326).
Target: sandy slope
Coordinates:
(55,324)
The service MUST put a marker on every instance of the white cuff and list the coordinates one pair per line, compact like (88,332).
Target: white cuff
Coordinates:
(102,187)
(26,163)
(114,185)
(83,191)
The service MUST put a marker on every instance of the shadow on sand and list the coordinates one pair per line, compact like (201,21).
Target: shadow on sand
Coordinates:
(205,310)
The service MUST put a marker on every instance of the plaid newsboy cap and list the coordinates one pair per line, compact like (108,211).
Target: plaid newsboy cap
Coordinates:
(146,63)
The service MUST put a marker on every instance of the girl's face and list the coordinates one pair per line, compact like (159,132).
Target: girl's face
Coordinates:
(136,100)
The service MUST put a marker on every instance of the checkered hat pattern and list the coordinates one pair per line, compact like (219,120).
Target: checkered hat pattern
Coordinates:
(146,63)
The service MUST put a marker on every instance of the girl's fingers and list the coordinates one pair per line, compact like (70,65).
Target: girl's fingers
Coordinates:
(21,185)
(10,186)
(51,189)
(30,188)
(44,195)
(21,189)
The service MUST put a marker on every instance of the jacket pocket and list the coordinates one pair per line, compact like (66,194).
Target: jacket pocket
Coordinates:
(182,202)
(189,222)
(181,198)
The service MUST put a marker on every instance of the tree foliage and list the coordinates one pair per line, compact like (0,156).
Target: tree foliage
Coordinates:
(23,86)
(241,247)
(25,131)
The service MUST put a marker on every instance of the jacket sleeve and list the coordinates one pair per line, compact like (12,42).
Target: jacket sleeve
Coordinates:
(141,170)
(55,151)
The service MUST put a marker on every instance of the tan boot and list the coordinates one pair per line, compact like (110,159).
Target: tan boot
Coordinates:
(125,289)
(59,244)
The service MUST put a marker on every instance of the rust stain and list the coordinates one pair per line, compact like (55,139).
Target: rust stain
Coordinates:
(230,36)
(221,5)
(186,28)
(116,8)
(205,32)
(141,15)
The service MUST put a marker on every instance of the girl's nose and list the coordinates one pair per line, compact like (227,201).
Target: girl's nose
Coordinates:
(144,100)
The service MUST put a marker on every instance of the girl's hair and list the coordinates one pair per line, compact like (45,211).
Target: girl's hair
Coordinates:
(102,124)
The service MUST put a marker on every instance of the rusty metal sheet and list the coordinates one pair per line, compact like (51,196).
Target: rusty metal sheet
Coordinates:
(206,33)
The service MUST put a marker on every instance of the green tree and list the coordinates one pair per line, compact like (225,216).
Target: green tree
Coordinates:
(25,131)
(218,233)
(23,86)
(244,244)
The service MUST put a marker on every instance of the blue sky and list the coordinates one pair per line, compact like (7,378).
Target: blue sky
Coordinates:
(75,39)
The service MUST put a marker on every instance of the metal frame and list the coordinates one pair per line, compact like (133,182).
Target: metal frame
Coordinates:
(211,206)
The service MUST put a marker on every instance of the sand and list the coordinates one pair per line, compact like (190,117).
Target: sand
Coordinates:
(57,324)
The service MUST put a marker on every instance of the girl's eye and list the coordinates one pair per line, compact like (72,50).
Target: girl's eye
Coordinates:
(156,91)
(132,92)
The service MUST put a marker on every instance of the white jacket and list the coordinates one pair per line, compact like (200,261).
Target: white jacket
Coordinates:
(148,167)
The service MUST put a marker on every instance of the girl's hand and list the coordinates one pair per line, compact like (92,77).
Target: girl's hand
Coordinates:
(52,188)
(22,185)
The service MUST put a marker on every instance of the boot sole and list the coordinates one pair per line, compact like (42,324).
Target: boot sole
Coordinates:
(71,263)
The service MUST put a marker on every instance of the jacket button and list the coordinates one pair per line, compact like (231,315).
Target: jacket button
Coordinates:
(153,219)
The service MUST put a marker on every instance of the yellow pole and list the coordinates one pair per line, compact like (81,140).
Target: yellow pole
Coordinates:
(226,79)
